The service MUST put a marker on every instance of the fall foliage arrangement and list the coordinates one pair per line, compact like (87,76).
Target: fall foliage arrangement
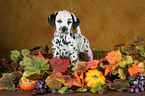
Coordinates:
(121,69)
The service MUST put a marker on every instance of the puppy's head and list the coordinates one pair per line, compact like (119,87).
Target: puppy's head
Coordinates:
(63,21)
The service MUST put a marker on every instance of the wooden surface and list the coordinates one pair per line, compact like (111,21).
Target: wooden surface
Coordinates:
(106,93)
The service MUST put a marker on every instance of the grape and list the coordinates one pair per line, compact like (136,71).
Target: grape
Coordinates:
(136,90)
(40,87)
(130,90)
(135,82)
(137,85)
(142,89)
(142,78)
(138,74)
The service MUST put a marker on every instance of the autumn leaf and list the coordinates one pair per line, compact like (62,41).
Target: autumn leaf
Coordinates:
(82,78)
(76,80)
(108,68)
(122,73)
(81,67)
(6,81)
(68,81)
(118,85)
(133,69)
(92,64)
(113,56)
(55,81)
(40,55)
(58,65)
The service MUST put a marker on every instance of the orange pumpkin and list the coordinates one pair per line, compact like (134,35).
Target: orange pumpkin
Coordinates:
(26,84)
(1,89)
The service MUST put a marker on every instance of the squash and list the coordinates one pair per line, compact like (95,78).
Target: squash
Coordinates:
(26,84)
(94,76)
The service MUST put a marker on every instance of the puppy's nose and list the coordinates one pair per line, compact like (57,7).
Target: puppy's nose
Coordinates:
(64,29)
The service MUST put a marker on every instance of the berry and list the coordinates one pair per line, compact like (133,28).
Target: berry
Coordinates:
(137,85)
(40,87)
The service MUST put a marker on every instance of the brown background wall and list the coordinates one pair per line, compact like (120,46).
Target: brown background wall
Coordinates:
(23,23)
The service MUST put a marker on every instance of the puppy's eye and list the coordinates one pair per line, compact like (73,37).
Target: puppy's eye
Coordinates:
(59,21)
(68,22)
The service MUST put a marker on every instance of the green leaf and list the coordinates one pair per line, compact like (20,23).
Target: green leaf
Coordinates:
(98,87)
(75,66)
(140,48)
(122,73)
(36,66)
(14,55)
(131,78)
(63,89)
(122,64)
(114,72)
(128,59)
(119,85)
(81,90)
(6,81)
(25,52)
(97,49)
(55,81)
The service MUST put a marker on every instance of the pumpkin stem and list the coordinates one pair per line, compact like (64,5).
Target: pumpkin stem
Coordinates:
(95,76)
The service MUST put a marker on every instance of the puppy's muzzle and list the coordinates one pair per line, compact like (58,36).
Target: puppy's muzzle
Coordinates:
(64,29)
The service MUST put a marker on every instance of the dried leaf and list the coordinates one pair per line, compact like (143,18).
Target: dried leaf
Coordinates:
(81,67)
(68,81)
(58,65)
(133,69)
(76,80)
(138,40)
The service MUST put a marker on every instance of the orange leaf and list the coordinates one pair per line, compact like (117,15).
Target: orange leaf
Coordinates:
(108,68)
(92,64)
(68,81)
(113,56)
(82,77)
(76,80)
(133,69)
(40,55)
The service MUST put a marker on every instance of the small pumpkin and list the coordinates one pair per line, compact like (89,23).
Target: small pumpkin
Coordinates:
(141,65)
(26,84)
(142,68)
(94,76)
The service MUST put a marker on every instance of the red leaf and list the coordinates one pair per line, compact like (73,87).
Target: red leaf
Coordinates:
(40,55)
(58,65)
(92,64)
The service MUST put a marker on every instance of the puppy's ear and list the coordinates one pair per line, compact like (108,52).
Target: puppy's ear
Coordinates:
(76,21)
(51,19)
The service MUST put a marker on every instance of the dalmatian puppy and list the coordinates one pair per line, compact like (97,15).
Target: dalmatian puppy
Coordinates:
(65,43)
